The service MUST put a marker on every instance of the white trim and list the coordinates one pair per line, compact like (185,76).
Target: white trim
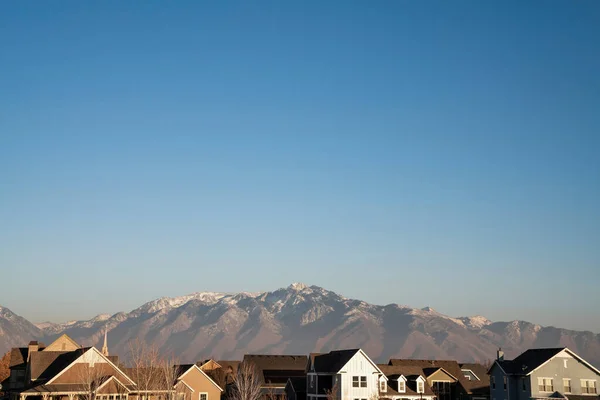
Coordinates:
(84,353)
(188,386)
(200,395)
(368,359)
(471,371)
(202,372)
(448,373)
(108,380)
(590,366)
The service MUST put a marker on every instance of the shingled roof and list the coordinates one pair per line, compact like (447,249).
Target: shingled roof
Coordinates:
(528,361)
(18,357)
(450,366)
(333,361)
(45,364)
(411,373)
(276,369)
(482,386)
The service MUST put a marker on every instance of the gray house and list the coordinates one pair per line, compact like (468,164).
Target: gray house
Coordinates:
(555,373)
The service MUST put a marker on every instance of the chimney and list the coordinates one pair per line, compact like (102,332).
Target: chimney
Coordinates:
(33,347)
(500,355)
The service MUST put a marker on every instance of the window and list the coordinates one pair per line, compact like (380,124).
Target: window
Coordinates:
(401,386)
(493,381)
(312,381)
(180,396)
(565,362)
(588,386)
(382,385)
(363,382)
(505,381)
(545,385)
(567,385)
(524,384)
(203,396)
(420,387)
(355,382)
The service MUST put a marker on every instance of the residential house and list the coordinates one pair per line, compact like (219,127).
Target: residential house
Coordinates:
(406,382)
(476,381)
(275,370)
(447,379)
(63,370)
(192,383)
(344,375)
(553,373)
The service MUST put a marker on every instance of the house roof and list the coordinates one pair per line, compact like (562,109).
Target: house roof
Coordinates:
(18,356)
(528,361)
(276,369)
(44,365)
(333,361)
(581,397)
(480,386)
(428,367)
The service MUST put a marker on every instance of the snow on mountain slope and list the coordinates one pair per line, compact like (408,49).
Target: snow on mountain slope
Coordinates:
(300,319)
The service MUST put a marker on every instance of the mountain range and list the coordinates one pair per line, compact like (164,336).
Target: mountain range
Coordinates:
(297,320)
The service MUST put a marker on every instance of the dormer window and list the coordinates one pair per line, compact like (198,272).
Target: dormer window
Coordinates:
(420,387)
(382,385)
(401,386)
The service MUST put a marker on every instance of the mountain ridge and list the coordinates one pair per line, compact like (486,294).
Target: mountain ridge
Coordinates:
(301,319)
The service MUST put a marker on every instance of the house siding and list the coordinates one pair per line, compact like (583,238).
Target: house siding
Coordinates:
(201,384)
(497,393)
(359,366)
(555,369)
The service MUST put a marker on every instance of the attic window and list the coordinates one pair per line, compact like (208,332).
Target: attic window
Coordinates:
(382,385)
(401,386)
(420,387)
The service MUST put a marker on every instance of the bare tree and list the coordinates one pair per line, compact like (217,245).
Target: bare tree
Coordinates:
(169,371)
(334,392)
(247,384)
(145,371)
(90,376)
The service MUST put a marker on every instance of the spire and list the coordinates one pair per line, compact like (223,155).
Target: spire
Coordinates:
(105,346)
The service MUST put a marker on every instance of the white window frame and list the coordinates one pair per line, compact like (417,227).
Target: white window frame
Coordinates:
(382,385)
(565,362)
(420,386)
(543,384)
(585,383)
(363,379)
(401,386)
(565,382)
(200,395)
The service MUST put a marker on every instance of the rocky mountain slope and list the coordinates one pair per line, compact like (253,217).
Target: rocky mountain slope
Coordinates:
(300,319)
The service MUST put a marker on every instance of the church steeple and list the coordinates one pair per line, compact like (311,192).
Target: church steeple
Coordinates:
(105,346)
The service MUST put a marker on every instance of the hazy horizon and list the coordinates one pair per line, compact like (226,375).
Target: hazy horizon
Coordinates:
(422,153)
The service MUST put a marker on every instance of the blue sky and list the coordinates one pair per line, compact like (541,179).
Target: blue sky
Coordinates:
(442,154)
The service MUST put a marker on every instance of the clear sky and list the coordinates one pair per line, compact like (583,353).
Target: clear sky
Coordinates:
(442,154)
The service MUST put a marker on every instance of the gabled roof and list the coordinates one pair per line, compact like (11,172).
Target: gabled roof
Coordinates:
(182,370)
(81,353)
(335,360)
(533,359)
(44,365)
(480,386)
(276,369)
(528,361)
(113,378)
(428,367)
(18,357)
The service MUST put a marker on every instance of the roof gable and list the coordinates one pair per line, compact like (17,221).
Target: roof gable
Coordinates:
(192,368)
(335,361)
(63,343)
(90,356)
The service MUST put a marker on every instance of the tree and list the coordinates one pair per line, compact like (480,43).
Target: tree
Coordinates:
(145,369)
(91,374)
(4,369)
(247,384)
(334,392)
